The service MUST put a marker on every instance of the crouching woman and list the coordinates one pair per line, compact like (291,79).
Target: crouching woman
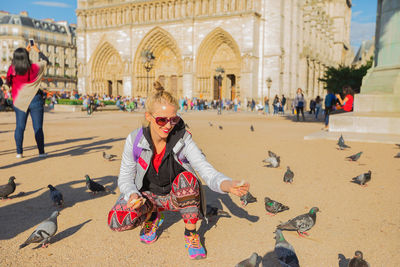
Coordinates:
(158,173)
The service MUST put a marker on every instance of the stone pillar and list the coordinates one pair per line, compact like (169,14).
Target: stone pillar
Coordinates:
(380,91)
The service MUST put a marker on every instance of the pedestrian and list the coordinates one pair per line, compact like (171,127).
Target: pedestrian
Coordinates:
(253,104)
(276,104)
(318,106)
(158,173)
(330,102)
(299,103)
(266,105)
(283,101)
(235,104)
(24,78)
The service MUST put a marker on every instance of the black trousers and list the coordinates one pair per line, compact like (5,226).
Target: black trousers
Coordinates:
(298,109)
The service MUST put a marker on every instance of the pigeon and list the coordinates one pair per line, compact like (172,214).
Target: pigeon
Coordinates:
(56,196)
(250,262)
(362,179)
(252,128)
(301,223)
(43,232)
(247,198)
(95,187)
(398,155)
(187,125)
(341,143)
(273,160)
(220,127)
(354,157)
(288,176)
(273,207)
(8,188)
(358,261)
(209,123)
(108,157)
(284,251)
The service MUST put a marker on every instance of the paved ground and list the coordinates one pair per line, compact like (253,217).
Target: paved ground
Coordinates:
(352,217)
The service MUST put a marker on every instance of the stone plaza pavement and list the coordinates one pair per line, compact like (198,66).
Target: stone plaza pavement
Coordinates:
(351,218)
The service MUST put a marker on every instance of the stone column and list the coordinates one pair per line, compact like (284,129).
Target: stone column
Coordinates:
(380,91)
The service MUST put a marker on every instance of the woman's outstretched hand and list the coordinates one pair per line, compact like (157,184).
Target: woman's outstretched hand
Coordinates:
(235,187)
(135,201)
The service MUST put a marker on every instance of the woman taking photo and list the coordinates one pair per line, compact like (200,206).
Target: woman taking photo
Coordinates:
(158,173)
(24,79)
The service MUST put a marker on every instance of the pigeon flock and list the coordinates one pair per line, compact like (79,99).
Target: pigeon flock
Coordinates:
(48,228)
(283,250)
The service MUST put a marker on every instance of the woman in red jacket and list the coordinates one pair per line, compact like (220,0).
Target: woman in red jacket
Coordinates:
(24,79)
(347,102)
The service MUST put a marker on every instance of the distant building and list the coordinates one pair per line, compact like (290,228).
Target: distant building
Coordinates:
(290,42)
(364,53)
(55,39)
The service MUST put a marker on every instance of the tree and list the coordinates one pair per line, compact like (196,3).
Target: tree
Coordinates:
(336,78)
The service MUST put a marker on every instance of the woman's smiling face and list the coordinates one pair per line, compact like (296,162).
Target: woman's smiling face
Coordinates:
(161,110)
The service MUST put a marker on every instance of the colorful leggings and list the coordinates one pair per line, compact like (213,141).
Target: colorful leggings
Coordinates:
(184,197)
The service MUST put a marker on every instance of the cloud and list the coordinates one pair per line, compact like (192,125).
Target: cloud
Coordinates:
(361,32)
(356,14)
(51,4)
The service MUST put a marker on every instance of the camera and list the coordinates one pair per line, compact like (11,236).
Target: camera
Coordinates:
(31,42)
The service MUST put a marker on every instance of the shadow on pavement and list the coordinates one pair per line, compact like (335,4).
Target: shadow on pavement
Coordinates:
(17,217)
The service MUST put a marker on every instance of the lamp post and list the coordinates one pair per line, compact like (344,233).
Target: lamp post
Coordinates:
(148,63)
(269,83)
(220,76)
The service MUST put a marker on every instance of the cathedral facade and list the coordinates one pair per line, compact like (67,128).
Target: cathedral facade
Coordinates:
(287,42)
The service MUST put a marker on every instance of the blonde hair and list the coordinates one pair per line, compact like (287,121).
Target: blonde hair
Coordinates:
(159,96)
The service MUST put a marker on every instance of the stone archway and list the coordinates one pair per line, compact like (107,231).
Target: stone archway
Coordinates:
(107,71)
(167,65)
(218,49)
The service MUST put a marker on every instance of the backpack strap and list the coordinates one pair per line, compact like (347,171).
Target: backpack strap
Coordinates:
(137,150)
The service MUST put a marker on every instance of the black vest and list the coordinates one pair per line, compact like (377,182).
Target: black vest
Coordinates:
(160,183)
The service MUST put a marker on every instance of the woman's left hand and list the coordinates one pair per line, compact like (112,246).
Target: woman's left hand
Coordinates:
(235,187)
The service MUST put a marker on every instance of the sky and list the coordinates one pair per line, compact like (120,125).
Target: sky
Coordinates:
(362,22)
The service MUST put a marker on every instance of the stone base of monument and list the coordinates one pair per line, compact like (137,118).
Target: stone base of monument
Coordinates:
(377,103)
(366,122)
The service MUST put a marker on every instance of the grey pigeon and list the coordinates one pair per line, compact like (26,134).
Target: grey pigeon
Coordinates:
(284,251)
(354,157)
(288,176)
(8,188)
(209,123)
(56,196)
(398,155)
(43,232)
(220,127)
(341,143)
(362,179)
(108,157)
(247,198)
(252,128)
(273,207)
(358,261)
(273,160)
(250,262)
(95,187)
(301,223)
